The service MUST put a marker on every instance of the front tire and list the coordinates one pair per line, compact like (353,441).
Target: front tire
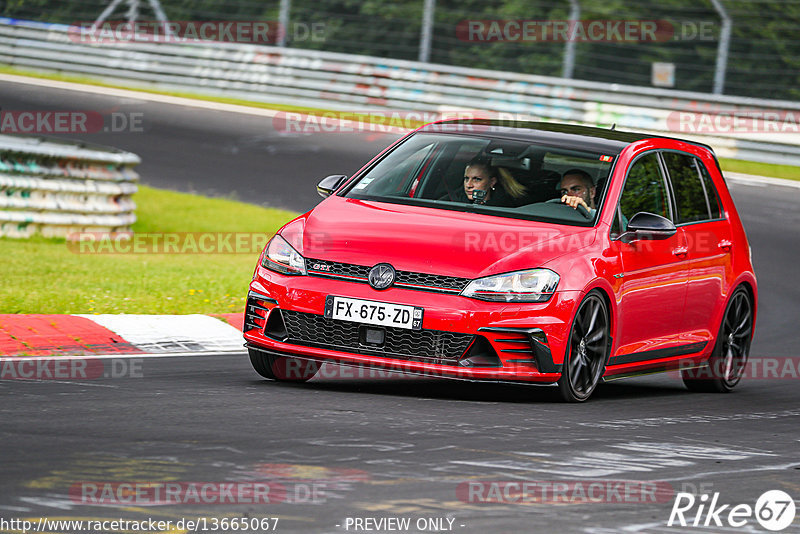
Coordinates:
(587,349)
(282,368)
(731,350)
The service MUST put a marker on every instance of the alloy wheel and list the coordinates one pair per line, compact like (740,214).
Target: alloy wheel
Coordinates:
(588,350)
(731,351)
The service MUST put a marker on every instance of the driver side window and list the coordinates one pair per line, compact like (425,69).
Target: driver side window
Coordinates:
(644,190)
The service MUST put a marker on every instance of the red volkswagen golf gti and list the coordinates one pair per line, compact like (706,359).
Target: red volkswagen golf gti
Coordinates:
(517,252)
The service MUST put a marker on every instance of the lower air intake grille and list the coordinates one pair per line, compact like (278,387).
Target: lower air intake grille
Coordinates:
(254,313)
(426,345)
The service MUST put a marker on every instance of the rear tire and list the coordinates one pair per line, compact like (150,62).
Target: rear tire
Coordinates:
(282,368)
(731,349)
(587,349)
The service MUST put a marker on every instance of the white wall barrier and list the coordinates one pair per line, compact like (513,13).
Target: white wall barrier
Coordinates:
(743,128)
(55,188)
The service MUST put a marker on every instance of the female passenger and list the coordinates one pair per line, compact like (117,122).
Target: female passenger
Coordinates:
(480,175)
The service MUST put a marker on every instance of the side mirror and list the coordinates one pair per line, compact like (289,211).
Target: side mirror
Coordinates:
(646,225)
(328,185)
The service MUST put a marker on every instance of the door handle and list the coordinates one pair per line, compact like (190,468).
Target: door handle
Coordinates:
(680,251)
(725,245)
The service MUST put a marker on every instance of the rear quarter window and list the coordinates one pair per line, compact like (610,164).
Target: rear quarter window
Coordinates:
(690,194)
(713,195)
(696,197)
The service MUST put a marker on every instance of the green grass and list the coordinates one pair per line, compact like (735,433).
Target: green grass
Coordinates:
(43,275)
(787,172)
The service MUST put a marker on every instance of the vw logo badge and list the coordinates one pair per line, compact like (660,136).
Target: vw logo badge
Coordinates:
(381,276)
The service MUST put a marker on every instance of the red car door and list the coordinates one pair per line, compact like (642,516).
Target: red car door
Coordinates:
(709,242)
(650,302)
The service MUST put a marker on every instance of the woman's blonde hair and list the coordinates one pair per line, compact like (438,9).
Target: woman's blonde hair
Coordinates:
(503,175)
(510,184)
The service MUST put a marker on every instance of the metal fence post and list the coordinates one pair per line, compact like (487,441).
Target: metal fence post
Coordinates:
(427,31)
(722,49)
(569,47)
(283,21)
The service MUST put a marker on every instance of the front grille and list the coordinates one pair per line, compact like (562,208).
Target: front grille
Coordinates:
(341,269)
(426,345)
(432,280)
(405,279)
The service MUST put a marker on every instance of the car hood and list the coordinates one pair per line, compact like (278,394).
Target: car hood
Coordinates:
(421,239)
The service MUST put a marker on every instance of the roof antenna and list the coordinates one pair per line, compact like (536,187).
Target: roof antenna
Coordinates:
(613,126)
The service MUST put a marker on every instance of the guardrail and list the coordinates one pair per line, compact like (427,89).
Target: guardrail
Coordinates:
(55,188)
(769,130)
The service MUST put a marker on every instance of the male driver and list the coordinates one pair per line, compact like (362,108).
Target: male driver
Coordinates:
(577,189)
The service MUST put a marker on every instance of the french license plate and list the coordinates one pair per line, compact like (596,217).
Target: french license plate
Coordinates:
(374,313)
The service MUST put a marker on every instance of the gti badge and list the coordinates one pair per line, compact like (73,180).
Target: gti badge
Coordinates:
(381,276)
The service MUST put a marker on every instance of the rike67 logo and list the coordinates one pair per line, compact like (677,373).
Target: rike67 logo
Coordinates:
(774,510)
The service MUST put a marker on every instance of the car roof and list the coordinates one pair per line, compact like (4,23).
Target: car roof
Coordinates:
(547,133)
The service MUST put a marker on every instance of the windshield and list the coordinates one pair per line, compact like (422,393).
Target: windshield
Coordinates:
(493,176)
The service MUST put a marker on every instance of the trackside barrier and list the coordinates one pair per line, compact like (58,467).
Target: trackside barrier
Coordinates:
(361,83)
(54,188)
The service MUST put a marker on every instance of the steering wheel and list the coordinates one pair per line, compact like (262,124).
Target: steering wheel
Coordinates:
(580,209)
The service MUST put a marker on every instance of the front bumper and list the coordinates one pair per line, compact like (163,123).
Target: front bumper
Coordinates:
(460,337)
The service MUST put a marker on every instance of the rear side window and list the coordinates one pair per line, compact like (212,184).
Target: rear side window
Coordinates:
(690,195)
(711,191)
(644,189)
(695,196)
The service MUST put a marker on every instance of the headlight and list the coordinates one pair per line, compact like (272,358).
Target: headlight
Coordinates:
(282,258)
(533,285)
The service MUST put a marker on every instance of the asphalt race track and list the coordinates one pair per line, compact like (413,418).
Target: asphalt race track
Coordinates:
(348,448)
